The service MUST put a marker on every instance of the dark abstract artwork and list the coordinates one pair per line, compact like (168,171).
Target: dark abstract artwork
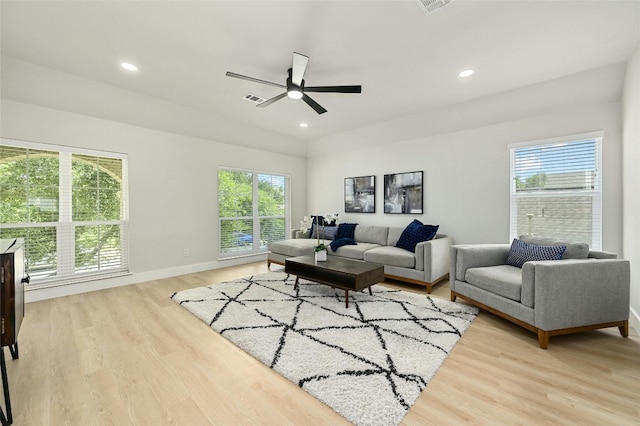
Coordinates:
(359,194)
(403,193)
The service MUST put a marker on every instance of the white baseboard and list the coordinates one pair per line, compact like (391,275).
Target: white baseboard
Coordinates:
(44,293)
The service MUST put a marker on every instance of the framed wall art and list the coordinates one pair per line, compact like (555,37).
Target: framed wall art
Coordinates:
(403,193)
(360,194)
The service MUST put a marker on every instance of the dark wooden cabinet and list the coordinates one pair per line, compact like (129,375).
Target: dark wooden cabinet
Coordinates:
(12,279)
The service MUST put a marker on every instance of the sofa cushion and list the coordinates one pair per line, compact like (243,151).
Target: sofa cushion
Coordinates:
(573,251)
(392,256)
(353,252)
(416,232)
(503,280)
(371,234)
(293,247)
(394,235)
(521,252)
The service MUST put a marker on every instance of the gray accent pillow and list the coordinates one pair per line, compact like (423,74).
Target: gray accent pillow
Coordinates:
(573,251)
(328,233)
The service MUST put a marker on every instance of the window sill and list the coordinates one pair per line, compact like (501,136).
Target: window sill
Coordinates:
(53,282)
(241,255)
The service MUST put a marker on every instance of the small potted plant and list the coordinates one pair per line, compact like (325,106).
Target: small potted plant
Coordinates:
(321,248)
(321,252)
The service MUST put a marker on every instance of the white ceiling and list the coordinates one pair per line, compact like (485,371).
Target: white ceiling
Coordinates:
(406,61)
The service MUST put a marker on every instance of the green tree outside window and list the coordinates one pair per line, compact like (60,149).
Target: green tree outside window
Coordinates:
(30,190)
(249,201)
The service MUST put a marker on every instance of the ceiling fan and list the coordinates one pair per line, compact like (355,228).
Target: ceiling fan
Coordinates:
(295,85)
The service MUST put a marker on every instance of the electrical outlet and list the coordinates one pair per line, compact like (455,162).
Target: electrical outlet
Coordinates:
(186,252)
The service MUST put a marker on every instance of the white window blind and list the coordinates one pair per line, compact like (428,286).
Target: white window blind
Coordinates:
(70,206)
(253,210)
(556,189)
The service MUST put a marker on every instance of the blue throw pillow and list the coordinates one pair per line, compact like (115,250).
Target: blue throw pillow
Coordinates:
(339,242)
(416,232)
(522,252)
(346,230)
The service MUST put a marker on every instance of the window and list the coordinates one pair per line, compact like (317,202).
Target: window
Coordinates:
(556,189)
(69,205)
(253,210)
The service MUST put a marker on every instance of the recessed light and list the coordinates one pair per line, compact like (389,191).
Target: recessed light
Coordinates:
(466,73)
(304,125)
(128,66)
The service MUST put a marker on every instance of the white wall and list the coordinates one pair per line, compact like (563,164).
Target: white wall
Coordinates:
(631,175)
(172,187)
(466,174)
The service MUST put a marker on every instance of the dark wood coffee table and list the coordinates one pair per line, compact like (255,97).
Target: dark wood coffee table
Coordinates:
(336,272)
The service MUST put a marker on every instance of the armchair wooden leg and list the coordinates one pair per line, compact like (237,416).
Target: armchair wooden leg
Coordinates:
(453,297)
(543,338)
(624,329)
(268,265)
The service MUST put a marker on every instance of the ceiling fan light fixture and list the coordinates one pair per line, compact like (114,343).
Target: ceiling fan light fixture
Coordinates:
(295,88)
(294,93)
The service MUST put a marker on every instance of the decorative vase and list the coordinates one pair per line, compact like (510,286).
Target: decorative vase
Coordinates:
(321,256)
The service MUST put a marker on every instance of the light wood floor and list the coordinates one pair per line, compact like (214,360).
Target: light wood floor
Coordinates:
(130,355)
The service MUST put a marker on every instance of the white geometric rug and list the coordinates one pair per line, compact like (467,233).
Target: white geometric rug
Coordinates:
(368,362)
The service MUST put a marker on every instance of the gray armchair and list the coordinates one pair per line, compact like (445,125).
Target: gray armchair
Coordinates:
(551,297)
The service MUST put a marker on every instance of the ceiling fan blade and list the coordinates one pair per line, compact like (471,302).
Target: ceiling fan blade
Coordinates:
(299,66)
(313,104)
(334,89)
(255,80)
(272,100)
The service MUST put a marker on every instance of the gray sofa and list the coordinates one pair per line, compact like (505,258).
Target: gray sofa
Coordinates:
(427,266)
(585,290)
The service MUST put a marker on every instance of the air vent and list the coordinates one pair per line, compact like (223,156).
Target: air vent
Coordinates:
(254,98)
(430,6)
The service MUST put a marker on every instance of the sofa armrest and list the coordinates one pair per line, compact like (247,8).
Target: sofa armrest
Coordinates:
(594,254)
(575,293)
(297,233)
(476,255)
(433,257)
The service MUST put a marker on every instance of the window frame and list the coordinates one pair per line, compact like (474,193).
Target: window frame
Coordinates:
(595,193)
(66,270)
(255,217)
